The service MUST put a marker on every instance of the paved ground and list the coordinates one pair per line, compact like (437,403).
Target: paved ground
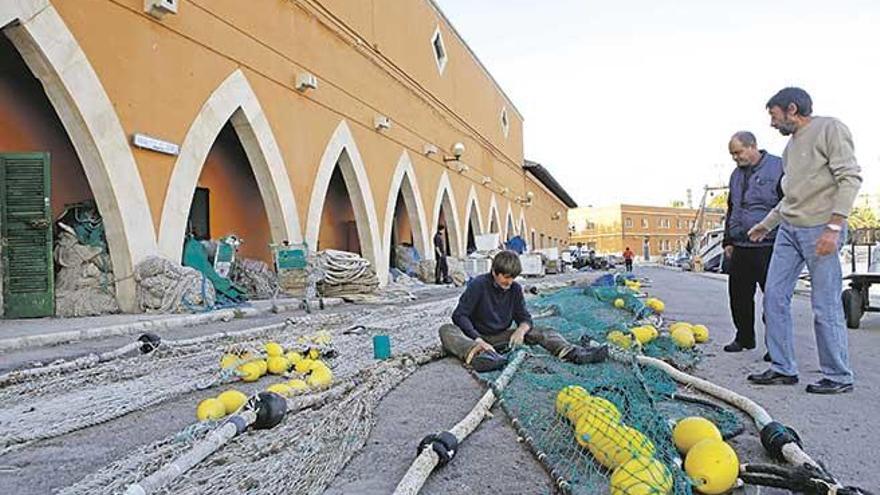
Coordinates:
(837,430)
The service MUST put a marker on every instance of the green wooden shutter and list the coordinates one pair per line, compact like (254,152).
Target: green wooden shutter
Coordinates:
(26,226)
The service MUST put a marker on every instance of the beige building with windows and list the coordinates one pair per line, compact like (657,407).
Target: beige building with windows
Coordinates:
(650,231)
(331,122)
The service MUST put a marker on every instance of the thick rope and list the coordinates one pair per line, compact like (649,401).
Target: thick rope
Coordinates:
(425,463)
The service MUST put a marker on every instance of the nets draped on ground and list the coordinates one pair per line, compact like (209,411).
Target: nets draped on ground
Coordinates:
(647,398)
(321,439)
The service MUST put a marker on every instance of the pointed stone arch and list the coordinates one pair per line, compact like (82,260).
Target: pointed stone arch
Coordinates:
(493,215)
(524,229)
(404,181)
(446,198)
(472,210)
(343,151)
(233,101)
(509,224)
(56,59)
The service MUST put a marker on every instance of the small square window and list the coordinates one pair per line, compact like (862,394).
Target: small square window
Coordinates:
(439,50)
(505,123)
(628,222)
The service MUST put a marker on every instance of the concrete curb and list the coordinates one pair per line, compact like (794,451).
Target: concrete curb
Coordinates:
(256,309)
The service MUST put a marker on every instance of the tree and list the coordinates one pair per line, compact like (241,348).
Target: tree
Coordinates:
(718,201)
(863,217)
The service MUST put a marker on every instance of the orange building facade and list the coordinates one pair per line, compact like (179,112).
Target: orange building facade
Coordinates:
(329,122)
(649,231)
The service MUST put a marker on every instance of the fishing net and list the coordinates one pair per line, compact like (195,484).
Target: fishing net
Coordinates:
(315,441)
(579,437)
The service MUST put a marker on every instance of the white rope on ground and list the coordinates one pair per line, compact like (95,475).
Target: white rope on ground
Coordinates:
(791,451)
(212,443)
(219,437)
(425,463)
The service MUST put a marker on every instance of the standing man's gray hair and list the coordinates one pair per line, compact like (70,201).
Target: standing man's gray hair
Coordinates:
(746,138)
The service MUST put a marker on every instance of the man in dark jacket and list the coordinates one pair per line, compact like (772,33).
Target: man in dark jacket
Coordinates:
(754,190)
(483,321)
(441,269)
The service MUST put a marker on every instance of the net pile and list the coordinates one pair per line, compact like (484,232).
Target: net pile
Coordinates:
(84,284)
(167,287)
(255,277)
(648,400)
(345,273)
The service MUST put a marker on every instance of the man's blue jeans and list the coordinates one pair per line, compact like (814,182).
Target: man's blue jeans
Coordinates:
(794,247)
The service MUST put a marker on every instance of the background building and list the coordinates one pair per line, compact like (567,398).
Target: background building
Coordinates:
(323,121)
(650,231)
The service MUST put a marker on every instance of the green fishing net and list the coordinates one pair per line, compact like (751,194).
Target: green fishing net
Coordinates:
(635,431)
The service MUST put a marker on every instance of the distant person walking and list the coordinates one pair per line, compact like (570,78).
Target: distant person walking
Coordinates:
(820,184)
(628,256)
(754,190)
(441,269)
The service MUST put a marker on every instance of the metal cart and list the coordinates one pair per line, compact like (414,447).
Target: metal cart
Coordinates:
(855,298)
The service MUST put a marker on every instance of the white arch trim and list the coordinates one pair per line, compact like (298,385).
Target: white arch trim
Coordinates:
(74,90)
(508,223)
(404,181)
(343,150)
(234,100)
(446,198)
(524,229)
(473,206)
(493,213)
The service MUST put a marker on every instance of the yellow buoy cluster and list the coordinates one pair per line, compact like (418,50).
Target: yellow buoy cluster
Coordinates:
(634,285)
(655,304)
(621,448)
(685,334)
(224,404)
(710,462)
(302,366)
(640,335)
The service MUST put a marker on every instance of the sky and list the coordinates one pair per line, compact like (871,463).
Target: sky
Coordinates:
(634,101)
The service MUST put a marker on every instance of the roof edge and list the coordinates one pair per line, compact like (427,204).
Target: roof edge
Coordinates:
(544,177)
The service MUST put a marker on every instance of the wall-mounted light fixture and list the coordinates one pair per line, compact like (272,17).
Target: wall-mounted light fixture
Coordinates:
(429,149)
(381,122)
(306,81)
(158,8)
(526,201)
(457,151)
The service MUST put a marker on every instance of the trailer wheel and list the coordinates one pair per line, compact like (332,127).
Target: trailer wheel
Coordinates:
(852,307)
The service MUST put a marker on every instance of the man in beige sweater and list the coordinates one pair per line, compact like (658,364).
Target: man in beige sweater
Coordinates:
(819,187)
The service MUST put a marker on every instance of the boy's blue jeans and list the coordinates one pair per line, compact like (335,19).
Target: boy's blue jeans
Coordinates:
(794,247)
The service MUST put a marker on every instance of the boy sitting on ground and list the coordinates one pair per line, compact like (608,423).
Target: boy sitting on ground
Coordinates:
(483,319)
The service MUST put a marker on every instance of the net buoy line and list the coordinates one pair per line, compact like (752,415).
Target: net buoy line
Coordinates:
(779,440)
(443,446)
(264,410)
(146,343)
(111,390)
